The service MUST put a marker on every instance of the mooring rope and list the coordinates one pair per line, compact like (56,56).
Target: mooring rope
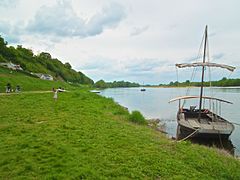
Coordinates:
(220,139)
(190,135)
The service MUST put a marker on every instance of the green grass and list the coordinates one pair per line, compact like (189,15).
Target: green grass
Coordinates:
(83,135)
(137,117)
(27,83)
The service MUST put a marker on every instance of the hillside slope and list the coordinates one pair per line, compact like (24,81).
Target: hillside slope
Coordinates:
(27,82)
(41,63)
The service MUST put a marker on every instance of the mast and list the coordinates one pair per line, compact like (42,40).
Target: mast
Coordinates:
(203,67)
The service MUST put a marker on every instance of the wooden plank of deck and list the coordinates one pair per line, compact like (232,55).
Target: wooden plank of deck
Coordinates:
(194,123)
(221,126)
(206,126)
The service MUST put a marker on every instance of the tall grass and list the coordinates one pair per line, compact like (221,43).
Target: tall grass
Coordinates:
(137,117)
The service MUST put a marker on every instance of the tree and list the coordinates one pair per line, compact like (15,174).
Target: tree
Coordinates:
(2,42)
(45,55)
(100,84)
(67,65)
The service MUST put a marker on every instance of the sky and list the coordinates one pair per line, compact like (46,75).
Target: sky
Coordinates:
(131,40)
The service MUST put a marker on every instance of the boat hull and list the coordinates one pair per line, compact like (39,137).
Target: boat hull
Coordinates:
(186,131)
(209,126)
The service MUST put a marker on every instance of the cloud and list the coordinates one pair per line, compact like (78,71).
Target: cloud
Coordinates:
(144,65)
(218,56)
(9,32)
(109,17)
(108,69)
(172,26)
(139,30)
(4,27)
(97,63)
(190,59)
(8,3)
(212,34)
(61,20)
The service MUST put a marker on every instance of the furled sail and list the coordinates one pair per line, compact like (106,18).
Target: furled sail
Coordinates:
(208,64)
(204,97)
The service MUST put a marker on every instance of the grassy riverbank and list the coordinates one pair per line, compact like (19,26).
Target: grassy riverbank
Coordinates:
(83,135)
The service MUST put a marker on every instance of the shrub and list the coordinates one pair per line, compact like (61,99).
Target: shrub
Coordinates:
(137,117)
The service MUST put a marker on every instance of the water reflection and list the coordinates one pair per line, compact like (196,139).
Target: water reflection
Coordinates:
(221,143)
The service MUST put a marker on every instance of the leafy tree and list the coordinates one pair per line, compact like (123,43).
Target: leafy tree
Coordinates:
(100,84)
(67,65)
(45,55)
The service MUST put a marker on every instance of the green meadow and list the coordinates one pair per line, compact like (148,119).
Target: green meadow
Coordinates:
(26,82)
(85,136)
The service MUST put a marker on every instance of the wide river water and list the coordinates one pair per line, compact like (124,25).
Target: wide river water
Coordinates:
(153,103)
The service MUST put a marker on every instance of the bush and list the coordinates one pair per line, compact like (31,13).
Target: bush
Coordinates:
(137,117)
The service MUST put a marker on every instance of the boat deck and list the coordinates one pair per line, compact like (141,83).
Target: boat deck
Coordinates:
(207,124)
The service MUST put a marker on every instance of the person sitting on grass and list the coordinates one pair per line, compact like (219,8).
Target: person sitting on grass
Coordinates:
(18,89)
(8,88)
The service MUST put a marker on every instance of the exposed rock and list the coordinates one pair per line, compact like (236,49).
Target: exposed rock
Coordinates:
(158,125)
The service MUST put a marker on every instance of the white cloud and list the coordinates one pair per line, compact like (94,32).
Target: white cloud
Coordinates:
(58,21)
(109,17)
(61,20)
(218,56)
(10,32)
(139,30)
(8,3)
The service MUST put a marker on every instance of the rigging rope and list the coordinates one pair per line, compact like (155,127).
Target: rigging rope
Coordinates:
(194,69)
(209,76)
(177,76)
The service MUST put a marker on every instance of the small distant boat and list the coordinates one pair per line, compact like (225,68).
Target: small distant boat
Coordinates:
(203,122)
(95,91)
(143,89)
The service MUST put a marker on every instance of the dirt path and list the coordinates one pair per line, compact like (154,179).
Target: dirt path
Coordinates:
(25,92)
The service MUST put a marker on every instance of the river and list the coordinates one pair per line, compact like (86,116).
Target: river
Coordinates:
(153,103)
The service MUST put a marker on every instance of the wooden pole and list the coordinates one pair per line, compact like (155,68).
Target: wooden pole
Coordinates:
(202,81)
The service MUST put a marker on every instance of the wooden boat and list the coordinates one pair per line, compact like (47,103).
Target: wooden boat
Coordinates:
(209,124)
(203,122)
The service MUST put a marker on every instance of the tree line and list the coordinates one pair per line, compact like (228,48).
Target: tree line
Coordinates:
(224,82)
(114,84)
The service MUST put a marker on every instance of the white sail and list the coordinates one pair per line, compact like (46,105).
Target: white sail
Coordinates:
(208,64)
(204,97)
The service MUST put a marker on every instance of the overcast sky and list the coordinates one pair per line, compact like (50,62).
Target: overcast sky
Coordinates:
(133,40)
